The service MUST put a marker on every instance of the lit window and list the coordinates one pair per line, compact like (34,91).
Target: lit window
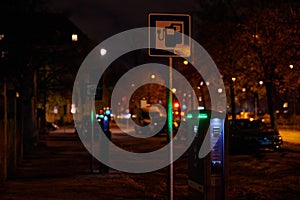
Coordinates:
(256,36)
(74,37)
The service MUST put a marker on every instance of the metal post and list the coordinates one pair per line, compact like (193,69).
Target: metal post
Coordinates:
(170,131)
(92,140)
(232,97)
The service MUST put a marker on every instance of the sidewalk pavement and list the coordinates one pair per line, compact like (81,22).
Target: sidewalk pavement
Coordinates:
(59,168)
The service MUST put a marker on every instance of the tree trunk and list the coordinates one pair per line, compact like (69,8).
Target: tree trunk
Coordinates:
(269,90)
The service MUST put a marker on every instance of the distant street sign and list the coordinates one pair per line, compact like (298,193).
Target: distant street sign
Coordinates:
(167,35)
(91,89)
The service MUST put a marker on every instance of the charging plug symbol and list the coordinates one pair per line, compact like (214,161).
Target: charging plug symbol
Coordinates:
(169,36)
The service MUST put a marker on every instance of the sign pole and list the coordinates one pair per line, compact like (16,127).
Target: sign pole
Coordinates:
(170,132)
(92,141)
(163,42)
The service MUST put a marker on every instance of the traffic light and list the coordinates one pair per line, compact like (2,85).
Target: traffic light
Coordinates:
(100,116)
(103,119)
(176,105)
(107,112)
(176,109)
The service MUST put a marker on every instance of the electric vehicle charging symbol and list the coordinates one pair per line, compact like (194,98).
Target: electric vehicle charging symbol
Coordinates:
(167,34)
(168,37)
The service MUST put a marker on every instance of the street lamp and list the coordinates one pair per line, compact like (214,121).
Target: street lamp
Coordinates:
(296,93)
(105,92)
(201,96)
(256,99)
(103,51)
(152,77)
(232,96)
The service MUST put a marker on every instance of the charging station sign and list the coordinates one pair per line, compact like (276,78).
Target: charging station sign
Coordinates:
(170,35)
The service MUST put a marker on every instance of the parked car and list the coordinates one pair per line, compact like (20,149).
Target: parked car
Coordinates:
(245,134)
(142,118)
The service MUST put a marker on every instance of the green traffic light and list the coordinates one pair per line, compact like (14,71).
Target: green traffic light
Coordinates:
(101,116)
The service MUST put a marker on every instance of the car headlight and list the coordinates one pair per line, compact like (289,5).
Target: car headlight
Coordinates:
(279,137)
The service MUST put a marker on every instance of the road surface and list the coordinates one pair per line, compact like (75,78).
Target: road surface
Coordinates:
(290,135)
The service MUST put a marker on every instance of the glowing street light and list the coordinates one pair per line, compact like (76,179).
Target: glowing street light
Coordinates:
(103,52)
(232,97)
(74,37)
(220,90)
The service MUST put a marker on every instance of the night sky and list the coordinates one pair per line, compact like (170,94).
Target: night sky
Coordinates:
(101,19)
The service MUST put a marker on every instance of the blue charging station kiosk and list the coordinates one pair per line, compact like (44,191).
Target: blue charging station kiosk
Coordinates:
(207,176)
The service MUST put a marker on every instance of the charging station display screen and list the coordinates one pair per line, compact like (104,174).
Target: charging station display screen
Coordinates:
(216,136)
